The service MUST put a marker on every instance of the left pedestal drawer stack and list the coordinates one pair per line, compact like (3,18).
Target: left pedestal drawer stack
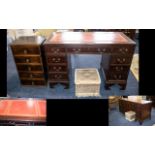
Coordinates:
(28,57)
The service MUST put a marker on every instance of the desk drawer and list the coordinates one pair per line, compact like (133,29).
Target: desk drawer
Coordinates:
(33,82)
(115,76)
(28,59)
(24,50)
(54,50)
(116,69)
(75,49)
(120,60)
(57,68)
(56,59)
(58,76)
(31,75)
(29,68)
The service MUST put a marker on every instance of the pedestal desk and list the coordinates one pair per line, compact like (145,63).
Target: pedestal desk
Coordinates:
(141,107)
(115,47)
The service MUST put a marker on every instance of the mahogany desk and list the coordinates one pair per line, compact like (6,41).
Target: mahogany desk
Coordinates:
(141,107)
(22,112)
(115,47)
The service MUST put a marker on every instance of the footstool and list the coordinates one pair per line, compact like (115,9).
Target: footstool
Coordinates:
(87,82)
(130,115)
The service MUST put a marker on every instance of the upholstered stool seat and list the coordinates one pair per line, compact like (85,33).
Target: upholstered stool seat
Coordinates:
(130,115)
(87,82)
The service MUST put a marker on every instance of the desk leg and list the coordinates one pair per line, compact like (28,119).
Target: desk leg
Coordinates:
(123,86)
(107,86)
(66,84)
(140,122)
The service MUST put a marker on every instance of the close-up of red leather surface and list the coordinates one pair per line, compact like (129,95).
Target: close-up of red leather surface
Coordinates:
(28,109)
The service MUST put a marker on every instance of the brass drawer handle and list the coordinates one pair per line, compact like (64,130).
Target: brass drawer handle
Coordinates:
(119,68)
(59,68)
(76,49)
(29,68)
(55,50)
(58,60)
(57,76)
(54,68)
(103,49)
(25,51)
(31,76)
(27,60)
(118,60)
(98,49)
(32,82)
(115,76)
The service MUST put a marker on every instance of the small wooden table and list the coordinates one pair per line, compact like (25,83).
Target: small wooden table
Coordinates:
(141,107)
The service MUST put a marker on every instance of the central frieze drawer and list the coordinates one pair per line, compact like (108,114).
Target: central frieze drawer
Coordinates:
(54,50)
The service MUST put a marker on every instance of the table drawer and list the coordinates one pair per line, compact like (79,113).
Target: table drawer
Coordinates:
(56,59)
(54,50)
(29,68)
(120,60)
(58,76)
(31,75)
(58,68)
(25,50)
(33,82)
(75,49)
(123,69)
(28,59)
(115,76)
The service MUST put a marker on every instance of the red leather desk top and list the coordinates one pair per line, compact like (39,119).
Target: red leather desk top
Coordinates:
(29,109)
(89,38)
